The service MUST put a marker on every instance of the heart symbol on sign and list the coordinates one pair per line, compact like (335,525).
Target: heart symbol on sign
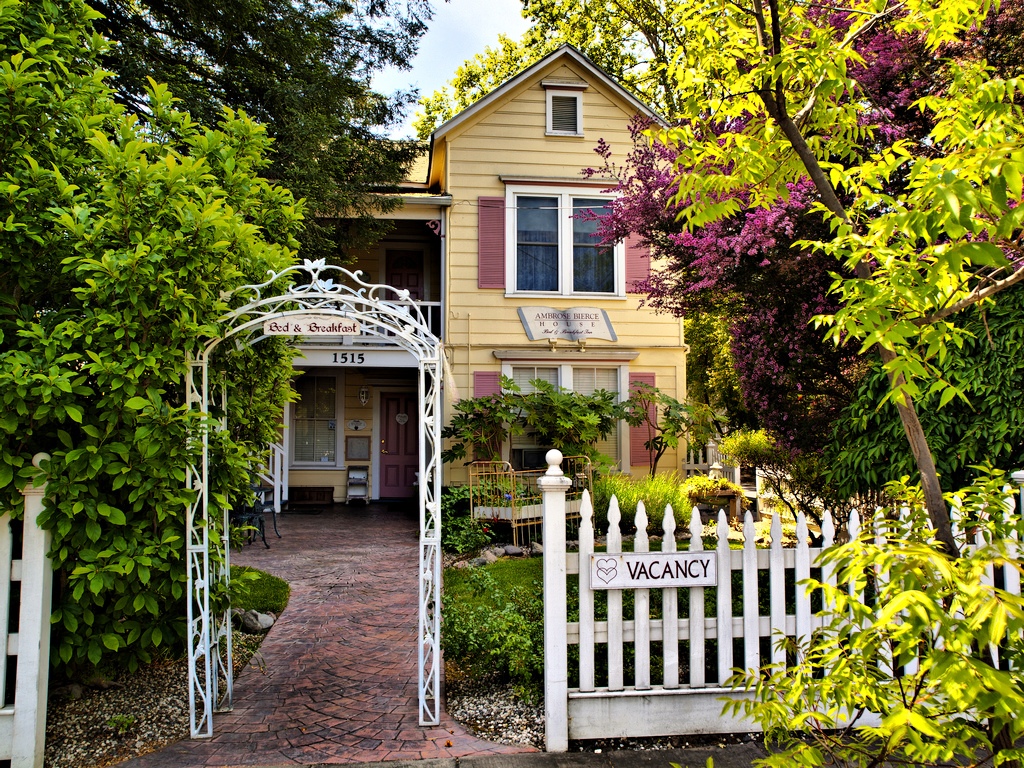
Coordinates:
(606,569)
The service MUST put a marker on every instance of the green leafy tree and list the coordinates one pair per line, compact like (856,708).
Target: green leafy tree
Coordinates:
(987,368)
(119,245)
(666,420)
(303,70)
(480,427)
(711,377)
(926,228)
(631,40)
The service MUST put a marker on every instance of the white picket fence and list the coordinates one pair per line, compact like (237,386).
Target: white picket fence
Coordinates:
(28,574)
(618,708)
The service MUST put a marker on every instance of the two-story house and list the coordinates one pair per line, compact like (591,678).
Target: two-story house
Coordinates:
(491,244)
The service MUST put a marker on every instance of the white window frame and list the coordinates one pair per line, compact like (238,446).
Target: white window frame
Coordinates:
(339,425)
(565,195)
(565,381)
(573,94)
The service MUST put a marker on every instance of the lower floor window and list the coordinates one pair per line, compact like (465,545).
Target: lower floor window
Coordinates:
(526,453)
(315,423)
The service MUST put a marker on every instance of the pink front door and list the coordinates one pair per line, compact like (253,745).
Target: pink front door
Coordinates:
(399,444)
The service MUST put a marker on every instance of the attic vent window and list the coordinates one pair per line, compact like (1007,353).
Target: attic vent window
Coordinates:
(565,113)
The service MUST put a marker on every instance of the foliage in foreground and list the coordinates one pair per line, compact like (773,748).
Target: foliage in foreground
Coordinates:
(958,639)
(119,245)
(496,625)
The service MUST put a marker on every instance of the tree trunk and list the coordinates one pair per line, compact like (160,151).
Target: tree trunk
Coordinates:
(933,500)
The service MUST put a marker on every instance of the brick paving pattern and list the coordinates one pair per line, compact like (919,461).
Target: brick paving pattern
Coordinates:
(341,679)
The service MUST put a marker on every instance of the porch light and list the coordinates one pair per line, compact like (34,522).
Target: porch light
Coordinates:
(364,395)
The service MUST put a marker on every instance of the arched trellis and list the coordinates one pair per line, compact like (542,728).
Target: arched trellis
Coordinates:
(313,288)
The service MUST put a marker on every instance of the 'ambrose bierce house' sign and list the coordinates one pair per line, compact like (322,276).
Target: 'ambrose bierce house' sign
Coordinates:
(575,323)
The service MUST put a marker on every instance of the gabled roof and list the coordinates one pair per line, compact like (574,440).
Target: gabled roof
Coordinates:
(566,50)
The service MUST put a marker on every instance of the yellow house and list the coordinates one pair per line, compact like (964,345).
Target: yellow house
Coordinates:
(491,245)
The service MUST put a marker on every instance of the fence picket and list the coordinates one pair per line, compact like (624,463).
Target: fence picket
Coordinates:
(696,620)
(614,547)
(854,528)
(642,609)
(6,539)
(586,548)
(885,660)
(723,600)
(828,576)
(803,594)
(670,607)
(751,629)
(777,585)
(910,666)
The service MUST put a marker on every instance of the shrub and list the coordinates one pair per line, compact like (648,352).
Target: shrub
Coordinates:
(120,243)
(656,492)
(460,531)
(487,629)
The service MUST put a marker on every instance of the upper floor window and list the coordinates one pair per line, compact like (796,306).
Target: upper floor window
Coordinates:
(557,247)
(564,113)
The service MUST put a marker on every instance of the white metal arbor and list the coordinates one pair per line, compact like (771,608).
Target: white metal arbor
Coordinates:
(334,292)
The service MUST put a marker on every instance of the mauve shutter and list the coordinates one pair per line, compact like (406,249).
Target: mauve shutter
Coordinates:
(491,242)
(638,454)
(486,383)
(638,264)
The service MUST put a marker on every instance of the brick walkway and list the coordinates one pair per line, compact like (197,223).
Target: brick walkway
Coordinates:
(341,679)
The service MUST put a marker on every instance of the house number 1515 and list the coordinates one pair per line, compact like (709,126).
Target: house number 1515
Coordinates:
(349,358)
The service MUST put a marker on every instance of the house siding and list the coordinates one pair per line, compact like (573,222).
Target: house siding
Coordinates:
(509,141)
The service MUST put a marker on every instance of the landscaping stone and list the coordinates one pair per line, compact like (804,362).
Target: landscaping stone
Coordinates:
(476,562)
(489,557)
(256,623)
(537,548)
(513,551)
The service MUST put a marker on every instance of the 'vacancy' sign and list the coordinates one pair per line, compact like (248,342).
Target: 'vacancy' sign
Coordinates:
(643,570)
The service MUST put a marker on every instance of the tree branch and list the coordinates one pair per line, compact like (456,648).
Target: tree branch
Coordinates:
(978,294)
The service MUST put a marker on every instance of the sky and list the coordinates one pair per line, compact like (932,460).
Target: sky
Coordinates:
(460,29)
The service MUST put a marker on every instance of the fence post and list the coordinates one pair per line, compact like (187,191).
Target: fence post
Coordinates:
(33,634)
(553,485)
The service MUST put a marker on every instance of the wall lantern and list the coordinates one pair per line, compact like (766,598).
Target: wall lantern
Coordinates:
(364,395)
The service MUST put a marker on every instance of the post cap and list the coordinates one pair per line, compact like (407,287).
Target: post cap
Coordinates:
(554,460)
(1018,477)
(39,458)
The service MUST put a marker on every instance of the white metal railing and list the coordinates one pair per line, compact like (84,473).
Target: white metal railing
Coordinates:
(685,700)
(699,461)
(431,314)
(23,720)
(273,474)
